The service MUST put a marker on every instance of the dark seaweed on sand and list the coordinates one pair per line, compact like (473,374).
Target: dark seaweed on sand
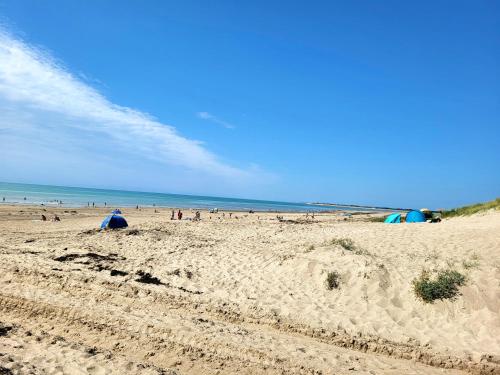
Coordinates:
(147,278)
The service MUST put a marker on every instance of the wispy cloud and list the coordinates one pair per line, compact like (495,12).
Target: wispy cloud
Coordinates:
(44,105)
(209,117)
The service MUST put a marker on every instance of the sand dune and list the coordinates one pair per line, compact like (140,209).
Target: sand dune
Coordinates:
(243,295)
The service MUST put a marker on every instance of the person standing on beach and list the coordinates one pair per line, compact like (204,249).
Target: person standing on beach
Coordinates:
(173,215)
(179,215)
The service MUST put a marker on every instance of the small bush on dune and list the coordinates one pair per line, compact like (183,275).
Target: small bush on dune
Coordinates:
(332,280)
(444,286)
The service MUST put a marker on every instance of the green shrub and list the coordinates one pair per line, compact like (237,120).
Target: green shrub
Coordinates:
(444,286)
(332,280)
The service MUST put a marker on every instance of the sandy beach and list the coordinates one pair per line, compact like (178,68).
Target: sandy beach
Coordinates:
(244,295)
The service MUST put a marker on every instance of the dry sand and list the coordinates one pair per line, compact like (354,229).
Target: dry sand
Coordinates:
(244,295)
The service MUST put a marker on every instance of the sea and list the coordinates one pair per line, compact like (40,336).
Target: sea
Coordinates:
(29,194)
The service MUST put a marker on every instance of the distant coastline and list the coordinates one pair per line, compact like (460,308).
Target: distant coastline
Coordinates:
(357,206)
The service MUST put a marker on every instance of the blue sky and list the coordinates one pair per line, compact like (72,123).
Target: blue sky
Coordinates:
(387,102)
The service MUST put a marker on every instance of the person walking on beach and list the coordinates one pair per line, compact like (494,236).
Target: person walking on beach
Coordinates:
(173,215)
(93,204)
(179,215)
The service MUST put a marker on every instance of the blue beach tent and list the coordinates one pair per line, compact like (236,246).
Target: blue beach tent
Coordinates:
(393,219)
(113,222)
(117,211)
(415,217)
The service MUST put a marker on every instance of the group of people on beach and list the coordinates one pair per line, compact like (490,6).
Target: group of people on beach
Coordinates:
(55,218)
(197,215)
(93,204)
(179,215)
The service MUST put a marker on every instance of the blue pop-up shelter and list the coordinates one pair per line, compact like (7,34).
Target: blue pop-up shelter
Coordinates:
(117,211)
(393,219)
(113,222)
(415,217)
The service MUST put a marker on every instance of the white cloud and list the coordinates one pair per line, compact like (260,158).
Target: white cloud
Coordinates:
(209,117)
(44,106)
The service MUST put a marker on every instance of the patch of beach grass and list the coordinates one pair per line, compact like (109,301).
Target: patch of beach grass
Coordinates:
(443,286)
(473,262)
(467,264)
(472,209)
(309,248)
(376,219)
(349,245)
(332,280)
(432,256)
(345,243)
